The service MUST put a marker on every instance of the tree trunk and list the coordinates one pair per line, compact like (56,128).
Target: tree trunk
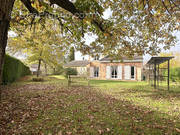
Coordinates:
(2,55)
(45,65)
(54,69)
(5,17)
(39,65)
(6,7)
(39,68)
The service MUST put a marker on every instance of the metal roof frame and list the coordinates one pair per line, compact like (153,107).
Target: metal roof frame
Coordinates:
(154,69)
(159,60)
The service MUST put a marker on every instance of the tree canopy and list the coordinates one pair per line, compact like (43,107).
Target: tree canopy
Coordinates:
(41,44)
(175,62)
(137,26)
(72,54)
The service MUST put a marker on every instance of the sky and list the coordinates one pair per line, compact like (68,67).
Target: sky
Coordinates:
(107,14)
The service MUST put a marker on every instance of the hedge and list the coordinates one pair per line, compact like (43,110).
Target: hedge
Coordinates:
(13,69)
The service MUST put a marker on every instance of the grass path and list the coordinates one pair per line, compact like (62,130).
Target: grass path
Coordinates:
(52,108)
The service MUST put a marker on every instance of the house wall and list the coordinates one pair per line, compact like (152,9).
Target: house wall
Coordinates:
(81,70)
(102,73)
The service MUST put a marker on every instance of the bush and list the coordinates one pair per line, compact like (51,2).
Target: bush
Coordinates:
(38,79)
(13,69)
(174,74)
(70,71)
(59,70)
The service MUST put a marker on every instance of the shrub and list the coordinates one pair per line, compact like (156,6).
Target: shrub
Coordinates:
(13,69)
(38,79)
(59,70)
(174,74)
(70,71)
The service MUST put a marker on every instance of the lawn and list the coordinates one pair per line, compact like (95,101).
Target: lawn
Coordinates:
(107,107)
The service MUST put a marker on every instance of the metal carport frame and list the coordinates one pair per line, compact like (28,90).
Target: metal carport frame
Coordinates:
(154,69)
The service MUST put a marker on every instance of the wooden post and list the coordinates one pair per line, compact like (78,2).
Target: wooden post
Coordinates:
(168,74)
(88,82)
(69,80)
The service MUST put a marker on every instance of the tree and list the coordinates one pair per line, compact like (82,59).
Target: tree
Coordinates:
(40,46)
(174,66)
(72,54)
(136,25)
(175,62)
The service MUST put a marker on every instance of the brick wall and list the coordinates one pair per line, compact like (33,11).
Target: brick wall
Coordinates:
(102,66)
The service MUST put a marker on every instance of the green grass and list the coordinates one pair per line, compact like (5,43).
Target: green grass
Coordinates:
(107,107)
(59,77)
(142,94)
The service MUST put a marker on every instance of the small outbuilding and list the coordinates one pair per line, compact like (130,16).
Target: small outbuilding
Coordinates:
(79,65)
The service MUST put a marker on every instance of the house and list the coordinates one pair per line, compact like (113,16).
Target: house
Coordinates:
(80,65)
(107,68)
(34,69)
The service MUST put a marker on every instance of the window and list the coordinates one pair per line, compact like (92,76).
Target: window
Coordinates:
(132,72)
(113,71)
(96,71)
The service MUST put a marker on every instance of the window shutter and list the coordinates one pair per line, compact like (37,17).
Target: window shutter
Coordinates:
(139,74)
(127,70)
(108,72)
(120,72)
(91,72)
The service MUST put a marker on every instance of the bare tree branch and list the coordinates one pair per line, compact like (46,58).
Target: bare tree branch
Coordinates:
(67,5)
(28,5)
(166,7)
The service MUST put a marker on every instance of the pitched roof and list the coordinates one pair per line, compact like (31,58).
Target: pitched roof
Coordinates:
(124,59)
(77,63)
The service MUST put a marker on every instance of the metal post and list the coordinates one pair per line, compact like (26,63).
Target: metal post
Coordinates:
(149,74)
(155,75)
(158,77)
(168,74)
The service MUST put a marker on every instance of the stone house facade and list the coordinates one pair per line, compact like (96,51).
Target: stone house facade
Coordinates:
(109,69)
(80,65)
